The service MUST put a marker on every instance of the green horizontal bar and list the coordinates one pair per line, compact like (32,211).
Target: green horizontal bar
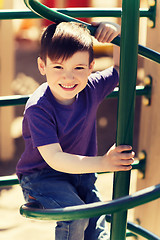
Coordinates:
(73,12)
(8,181)
(93,209)
(140,91)
(13,100)
(22,99)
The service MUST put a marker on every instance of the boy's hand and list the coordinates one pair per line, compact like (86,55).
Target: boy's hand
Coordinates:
(117,159)
(106,31)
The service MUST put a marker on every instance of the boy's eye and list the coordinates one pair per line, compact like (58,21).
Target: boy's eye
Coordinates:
(58,67)
(79,68)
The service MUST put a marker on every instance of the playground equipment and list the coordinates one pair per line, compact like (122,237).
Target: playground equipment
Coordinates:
(128,69)
(149,135)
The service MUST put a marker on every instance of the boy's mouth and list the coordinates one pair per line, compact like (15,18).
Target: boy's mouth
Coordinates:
(68,87)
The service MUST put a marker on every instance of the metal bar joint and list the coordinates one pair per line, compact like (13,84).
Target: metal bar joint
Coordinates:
(152,10)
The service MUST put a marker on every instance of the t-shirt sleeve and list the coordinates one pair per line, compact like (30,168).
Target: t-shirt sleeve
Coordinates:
(104,82)
(40,127)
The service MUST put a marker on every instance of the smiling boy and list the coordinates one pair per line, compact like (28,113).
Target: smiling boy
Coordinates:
(58,166)
(70,77)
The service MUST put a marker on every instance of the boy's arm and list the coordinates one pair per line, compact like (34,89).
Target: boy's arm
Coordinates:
(113,160)
(105,33)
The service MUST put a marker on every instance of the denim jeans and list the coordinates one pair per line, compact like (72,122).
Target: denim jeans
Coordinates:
(53,189)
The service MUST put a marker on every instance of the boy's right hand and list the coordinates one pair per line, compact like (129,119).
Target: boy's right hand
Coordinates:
(118,159)
(106,31)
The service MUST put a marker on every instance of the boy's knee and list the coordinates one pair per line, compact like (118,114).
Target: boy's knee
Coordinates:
(72,229)
(80,224)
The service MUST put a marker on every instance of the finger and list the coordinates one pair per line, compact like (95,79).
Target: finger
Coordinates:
(127,162)
(106,37)
(128,155)
(98,33)
(126,168)
(95,23)
(122,148)
(123,168)
(101,31)
(111,37)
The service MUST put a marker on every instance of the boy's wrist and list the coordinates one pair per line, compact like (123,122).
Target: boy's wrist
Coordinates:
(116,67)
(103,163)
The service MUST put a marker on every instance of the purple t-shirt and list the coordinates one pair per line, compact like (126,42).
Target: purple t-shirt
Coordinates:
(72,126)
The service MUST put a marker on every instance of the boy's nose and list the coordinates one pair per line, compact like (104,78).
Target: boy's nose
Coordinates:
(69,75)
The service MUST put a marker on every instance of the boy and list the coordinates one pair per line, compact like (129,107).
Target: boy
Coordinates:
(59,163)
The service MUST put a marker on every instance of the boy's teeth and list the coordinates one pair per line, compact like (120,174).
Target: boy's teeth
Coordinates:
(65,86)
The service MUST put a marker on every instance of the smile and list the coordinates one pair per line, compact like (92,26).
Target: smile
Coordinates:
(68,87)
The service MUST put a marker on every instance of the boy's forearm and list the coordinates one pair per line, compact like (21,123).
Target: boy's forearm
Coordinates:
(69,163)
(76,164)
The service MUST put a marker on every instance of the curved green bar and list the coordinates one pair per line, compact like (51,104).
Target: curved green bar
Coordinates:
(142,231)
(143,51)
(149,53)
(138,230)
(94,209)
(56,16)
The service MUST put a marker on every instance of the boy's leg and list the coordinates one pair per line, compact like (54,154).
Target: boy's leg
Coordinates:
(71,230)
(97,228)
(55,193)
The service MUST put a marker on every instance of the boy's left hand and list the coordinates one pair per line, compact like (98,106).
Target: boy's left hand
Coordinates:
(106,31)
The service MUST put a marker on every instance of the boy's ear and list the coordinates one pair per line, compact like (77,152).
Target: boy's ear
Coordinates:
(41,66)
(91,66)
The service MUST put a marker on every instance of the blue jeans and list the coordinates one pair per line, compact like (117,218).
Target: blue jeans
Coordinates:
(53,189)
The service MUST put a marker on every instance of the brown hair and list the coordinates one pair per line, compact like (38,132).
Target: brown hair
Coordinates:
(65,39)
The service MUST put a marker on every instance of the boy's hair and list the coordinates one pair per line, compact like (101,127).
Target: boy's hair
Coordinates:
(65,39)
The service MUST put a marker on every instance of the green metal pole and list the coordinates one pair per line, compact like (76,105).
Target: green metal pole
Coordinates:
(128,73)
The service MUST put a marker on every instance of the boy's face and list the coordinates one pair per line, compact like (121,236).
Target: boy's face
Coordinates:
(68,77)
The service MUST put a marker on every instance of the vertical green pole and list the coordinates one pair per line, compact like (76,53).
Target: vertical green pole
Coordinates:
(128,74)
